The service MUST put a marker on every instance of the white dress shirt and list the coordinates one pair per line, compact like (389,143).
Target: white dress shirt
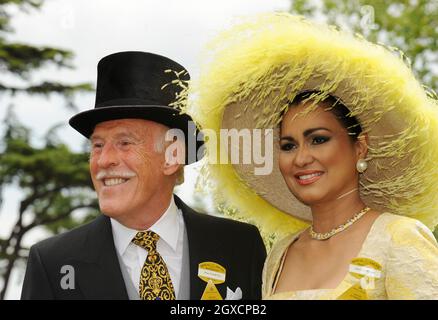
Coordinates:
(170,228)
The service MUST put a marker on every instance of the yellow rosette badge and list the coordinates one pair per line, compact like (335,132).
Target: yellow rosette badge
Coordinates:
(365,270)
(213,274)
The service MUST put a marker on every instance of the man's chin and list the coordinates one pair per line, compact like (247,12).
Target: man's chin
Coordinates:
(110,212)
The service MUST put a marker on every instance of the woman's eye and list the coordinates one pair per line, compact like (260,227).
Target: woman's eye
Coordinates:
(320,140)
(287,146)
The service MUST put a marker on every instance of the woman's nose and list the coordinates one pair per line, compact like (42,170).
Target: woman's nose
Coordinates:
(303,156)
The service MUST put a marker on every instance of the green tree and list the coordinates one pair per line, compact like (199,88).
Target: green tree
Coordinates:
(20,59)
(54,180)
(55,183)
(410,25)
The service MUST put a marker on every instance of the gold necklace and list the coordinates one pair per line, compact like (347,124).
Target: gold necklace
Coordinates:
(342,227)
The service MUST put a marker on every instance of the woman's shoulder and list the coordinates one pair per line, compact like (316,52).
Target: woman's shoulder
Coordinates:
(274,260)
(398,226)
(280,246)
(412,259)
(278,250)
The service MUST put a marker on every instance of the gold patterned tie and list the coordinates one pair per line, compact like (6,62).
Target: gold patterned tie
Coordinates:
(155,282)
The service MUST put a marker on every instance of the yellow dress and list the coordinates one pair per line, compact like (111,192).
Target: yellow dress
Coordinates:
(404,250)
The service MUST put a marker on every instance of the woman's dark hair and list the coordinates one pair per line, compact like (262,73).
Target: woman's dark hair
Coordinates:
(337,108)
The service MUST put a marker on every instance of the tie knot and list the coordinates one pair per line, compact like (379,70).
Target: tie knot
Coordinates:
(147,240)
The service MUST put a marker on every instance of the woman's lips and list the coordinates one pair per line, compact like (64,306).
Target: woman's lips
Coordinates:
(306,178)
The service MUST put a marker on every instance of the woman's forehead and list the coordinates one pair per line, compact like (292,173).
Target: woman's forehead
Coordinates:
(299,116)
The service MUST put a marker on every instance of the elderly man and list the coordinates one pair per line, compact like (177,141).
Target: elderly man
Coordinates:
(147,244)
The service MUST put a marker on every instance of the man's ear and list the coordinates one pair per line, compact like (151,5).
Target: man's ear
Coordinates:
(174,157)
(170,168)
(362,145)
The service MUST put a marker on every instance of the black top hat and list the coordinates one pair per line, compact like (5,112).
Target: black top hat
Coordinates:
(137,85)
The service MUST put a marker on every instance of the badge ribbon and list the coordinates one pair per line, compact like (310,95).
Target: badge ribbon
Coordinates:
(213,274)
(365,270)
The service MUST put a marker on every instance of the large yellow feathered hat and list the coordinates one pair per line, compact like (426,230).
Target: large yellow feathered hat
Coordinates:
(257,67)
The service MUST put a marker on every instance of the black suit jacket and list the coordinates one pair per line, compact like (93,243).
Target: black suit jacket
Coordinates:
(90,250)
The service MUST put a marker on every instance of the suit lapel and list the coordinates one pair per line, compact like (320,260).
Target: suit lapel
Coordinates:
(99,275)
(202,248)
(98,270)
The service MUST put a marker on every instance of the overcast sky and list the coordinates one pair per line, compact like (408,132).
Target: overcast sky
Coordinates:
(95,28)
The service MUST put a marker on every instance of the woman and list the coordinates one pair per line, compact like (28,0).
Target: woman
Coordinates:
(356,159)
(322,155)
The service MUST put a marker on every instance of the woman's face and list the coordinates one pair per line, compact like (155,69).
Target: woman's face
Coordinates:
(317,156)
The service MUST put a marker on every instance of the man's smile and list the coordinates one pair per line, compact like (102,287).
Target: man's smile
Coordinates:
(109,182)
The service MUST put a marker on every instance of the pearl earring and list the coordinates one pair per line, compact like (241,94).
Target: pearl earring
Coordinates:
(361,165)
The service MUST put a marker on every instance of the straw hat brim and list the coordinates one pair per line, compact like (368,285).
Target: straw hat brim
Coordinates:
(260,65)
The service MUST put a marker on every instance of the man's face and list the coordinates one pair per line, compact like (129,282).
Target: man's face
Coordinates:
(125,166)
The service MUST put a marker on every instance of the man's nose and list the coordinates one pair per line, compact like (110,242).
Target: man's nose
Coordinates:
(108,156)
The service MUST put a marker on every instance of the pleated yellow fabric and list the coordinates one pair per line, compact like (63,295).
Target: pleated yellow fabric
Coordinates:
(155,281)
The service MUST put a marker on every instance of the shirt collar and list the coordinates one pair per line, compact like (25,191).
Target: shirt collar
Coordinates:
(167,227)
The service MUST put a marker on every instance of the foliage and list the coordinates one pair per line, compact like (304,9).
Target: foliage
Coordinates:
(410,25)
(55,183)
(20,59)
(54,180)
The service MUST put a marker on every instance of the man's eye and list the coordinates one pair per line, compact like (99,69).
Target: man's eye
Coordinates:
(287,146)
(320,140)
(97,145)
(125,143)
